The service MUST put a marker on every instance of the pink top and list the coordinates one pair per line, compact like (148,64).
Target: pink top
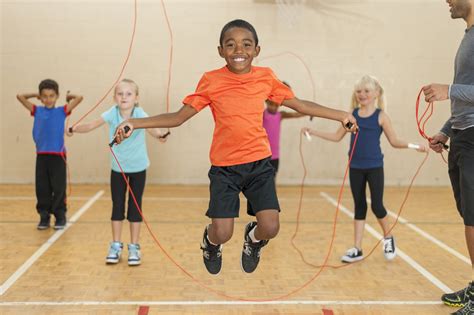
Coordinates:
(271,123)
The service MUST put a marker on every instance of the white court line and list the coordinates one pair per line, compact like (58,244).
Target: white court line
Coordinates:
(400,253)
(199,303)
(27,264)
(429,237)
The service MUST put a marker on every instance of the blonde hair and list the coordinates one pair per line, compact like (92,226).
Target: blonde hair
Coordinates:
(132,83)
(370,82)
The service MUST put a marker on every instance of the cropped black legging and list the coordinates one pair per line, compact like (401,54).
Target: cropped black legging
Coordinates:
(118,188)
(359,179)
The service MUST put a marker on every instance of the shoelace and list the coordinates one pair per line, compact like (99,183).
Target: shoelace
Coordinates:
(211,252)
(113,252)
(255,246)
(352,252)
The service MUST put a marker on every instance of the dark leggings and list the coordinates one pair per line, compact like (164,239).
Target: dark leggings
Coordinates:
(118,188)
(359,179)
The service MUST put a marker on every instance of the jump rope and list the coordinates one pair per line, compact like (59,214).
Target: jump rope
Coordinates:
(421,125)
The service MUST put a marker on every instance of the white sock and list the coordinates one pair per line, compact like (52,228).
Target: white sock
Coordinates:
(207,237)
(252,235)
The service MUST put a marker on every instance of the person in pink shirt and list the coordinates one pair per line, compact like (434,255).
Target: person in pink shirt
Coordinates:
(272,118)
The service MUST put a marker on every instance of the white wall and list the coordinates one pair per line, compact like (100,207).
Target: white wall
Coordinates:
(83,44)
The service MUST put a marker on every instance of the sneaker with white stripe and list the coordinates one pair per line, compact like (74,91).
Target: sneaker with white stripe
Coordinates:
(134,255)
(352,254)
(389,250)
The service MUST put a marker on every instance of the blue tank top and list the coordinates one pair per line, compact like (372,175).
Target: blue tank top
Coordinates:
(48,129)
(367,153)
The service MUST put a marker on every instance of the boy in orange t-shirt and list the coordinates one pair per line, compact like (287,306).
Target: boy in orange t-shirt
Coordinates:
(240,152)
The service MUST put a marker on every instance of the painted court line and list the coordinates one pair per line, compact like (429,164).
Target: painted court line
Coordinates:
(428,236)
(199,303)
(400,253)
(27,264)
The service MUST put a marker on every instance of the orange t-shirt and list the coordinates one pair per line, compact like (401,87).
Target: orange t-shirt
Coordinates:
(237,104)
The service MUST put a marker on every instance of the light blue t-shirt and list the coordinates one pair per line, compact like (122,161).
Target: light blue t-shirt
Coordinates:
(131,153)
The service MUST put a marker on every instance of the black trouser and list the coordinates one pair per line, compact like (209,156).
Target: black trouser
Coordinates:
(461,172)
(51,185)
(118,188)
(359,179)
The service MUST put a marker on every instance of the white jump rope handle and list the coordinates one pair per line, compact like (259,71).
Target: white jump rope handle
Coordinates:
(413,146)
(307,135)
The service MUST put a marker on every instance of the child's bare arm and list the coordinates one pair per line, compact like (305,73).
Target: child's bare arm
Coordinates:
(314,109)
(168,120)
(86,127)
(286,115)
(394,141)
(331,136)
(23,99)
(156,133)
(72,101)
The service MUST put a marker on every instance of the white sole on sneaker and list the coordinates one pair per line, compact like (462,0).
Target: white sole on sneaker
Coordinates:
(351,260)
(134,262)
(390,256)
(112,261)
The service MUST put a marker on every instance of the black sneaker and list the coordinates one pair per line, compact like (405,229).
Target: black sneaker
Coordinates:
(44,222)
(352,255)
(459,298)
(60,223)
(251,251)
(467,309)
(211,254)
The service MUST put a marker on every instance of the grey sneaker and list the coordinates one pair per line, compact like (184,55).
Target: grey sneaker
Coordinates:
(459,298)
(251,251)
(134,255)
(467,309)
(115,252)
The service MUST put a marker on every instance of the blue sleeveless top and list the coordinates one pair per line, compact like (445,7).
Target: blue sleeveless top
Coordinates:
(48,129)
(367,153)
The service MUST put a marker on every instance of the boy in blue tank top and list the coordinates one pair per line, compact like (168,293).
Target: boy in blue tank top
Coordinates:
(48,134)
(367,161)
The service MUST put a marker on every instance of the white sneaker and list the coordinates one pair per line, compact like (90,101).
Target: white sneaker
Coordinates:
(115,251)
(389,250)
(352,254)
(134,255)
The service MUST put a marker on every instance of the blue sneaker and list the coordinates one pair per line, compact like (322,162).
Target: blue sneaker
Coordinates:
(115,251)
(134,255)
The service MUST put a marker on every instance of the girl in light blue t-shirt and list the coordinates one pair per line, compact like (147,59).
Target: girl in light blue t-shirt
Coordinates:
(133,158)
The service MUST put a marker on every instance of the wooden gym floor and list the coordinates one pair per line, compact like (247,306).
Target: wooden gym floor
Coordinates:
(48,272)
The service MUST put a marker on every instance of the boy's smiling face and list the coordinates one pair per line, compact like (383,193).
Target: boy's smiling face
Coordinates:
(48,97)
(238,49)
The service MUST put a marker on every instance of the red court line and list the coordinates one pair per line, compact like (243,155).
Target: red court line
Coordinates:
(143,310)
(327,312)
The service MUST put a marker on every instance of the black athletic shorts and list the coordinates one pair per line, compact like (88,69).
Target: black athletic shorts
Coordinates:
(256,180)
